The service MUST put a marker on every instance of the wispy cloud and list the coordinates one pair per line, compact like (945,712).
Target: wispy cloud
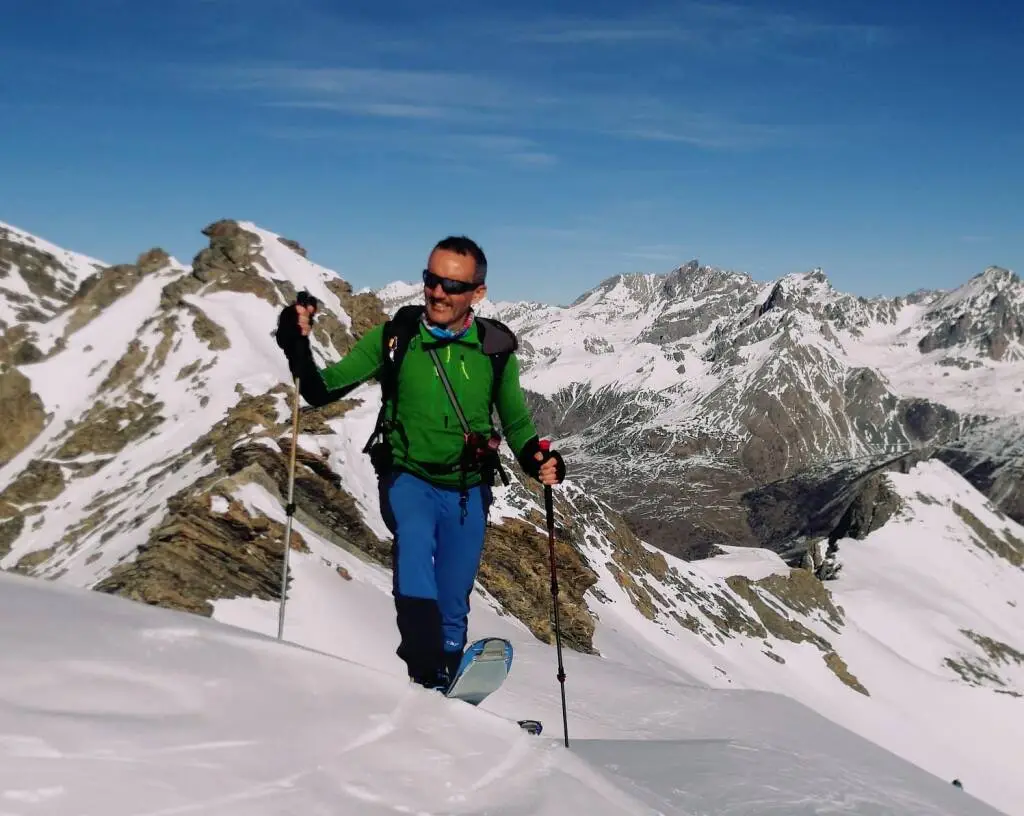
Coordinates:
(464,103)
(451,148)
(379,92)
(723,27)
(527,117)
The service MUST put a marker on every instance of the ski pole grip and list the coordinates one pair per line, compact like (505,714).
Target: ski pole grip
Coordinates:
(544,445)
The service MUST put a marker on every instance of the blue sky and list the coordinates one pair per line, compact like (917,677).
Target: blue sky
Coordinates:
(883,142)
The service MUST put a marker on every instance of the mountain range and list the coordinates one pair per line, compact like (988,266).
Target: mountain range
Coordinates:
(702,404)
(773,486)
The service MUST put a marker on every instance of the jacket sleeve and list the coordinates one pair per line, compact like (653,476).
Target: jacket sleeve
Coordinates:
(516,422)
(321,386)
(518,425)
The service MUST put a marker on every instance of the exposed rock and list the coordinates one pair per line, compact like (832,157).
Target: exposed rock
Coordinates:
(984,671)
(124,370)
(40,481)
(100,290)
(295,246)
(208,330)
(1006,546)
(232,262)
(873,506)
(9,532)
(17,346)
(990,456)
(800,591)
(109,428)
(46,277)
(365,309)
(22,414)
(321,504)
(168,329)
(515,570)
(840,669)
(30,561)
(804,593)
(775,398)
(849,500)
(196,555)
(989,318)
(778,624)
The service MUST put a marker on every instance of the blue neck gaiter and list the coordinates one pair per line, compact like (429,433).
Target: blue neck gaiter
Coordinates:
(441,333)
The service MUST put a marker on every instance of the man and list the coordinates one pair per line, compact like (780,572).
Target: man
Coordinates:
(435,479)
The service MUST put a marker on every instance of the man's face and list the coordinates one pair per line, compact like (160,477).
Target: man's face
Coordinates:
(450,308)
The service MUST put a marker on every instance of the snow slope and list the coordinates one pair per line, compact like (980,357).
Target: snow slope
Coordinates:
(117,708)
(905,596)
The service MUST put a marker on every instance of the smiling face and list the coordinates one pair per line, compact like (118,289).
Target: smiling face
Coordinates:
(449,309)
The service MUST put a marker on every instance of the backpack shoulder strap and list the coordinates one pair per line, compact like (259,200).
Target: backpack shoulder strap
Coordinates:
(498,342)
(496,337)
(398,331)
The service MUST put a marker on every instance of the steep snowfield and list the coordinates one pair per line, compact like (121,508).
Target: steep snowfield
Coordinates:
(117,708)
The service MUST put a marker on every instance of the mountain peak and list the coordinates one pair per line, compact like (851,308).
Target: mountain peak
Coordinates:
(986,314)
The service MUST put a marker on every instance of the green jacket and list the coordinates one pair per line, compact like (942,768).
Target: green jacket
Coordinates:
(432,432)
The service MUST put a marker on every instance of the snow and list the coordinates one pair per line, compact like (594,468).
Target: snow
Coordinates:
(114,707)
(751,562)
(303,273)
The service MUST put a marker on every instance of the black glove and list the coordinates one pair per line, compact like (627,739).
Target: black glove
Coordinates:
(289,337)
(531,466)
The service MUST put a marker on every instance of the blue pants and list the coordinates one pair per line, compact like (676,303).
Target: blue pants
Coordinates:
(435,559)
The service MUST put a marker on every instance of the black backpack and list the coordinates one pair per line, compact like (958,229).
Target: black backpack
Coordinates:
(497,341)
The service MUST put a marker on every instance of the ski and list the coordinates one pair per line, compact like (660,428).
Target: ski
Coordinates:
(484,667)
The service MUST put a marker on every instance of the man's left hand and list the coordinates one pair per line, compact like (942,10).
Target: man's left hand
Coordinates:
(548,473)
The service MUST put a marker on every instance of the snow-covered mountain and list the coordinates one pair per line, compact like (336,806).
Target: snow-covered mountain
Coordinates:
(147,439)
(681,395)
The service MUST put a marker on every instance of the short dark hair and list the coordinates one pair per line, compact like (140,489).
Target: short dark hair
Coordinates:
(466,246)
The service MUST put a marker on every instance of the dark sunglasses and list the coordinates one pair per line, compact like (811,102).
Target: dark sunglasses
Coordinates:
(451,287)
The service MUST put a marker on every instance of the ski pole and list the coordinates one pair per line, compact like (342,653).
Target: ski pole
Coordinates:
(305,299)
(545,446)
(289,510)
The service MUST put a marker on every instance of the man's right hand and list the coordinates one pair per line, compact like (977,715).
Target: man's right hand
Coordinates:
(295,322)
(305,318)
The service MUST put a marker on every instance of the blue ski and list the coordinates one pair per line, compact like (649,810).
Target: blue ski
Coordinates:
(484,667)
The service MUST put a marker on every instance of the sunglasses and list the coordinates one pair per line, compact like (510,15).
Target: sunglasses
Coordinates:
(450,287)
